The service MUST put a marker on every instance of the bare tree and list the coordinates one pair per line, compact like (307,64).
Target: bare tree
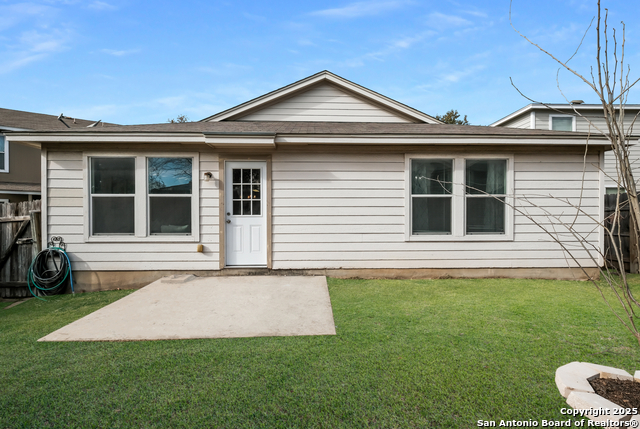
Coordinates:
(609,79)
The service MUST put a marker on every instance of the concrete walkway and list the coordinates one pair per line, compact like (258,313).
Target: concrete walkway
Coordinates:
(182,307)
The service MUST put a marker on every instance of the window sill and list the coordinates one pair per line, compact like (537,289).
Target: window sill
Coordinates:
(475,237)
(148,239)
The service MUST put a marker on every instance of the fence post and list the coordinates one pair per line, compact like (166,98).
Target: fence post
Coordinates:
(36,246)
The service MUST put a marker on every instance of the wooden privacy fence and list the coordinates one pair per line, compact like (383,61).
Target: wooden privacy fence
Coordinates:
(624,240)
(20,242)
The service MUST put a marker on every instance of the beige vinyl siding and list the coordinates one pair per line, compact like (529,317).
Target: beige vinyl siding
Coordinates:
(324,102)
(66,218)
(523,121)
(589,122)
(345,210)
(598,123)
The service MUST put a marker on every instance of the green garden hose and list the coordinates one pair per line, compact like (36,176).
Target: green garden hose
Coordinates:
(49,270)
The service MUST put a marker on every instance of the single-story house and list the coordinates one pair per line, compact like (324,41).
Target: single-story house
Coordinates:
(322,176)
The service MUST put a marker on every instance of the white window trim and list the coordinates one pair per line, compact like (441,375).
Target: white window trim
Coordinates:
(573,121)
(458,212)
(5,168)
(141,209)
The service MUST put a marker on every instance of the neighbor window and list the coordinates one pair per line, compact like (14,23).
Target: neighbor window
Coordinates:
(112,195)
(561,123)
(4,168)
(457,197)
(141,196)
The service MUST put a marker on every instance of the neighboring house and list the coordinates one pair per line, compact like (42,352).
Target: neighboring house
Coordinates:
(20,163)
(585,118)
(322,176)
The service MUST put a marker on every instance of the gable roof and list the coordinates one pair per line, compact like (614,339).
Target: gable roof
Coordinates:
(18,120)
(403,112)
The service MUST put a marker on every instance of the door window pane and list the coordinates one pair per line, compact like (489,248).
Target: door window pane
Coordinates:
(112,215)
(170,215)
(485,215)
(431,215)
(431,176)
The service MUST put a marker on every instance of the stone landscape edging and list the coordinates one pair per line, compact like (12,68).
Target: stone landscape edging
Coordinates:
(572,381)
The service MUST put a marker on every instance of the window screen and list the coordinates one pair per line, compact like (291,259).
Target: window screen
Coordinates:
(431,185)
(112,195)
(486,184)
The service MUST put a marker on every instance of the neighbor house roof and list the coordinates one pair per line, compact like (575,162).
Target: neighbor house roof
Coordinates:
(562,107)
(18,120)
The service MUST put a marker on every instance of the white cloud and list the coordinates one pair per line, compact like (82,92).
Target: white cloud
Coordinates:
(31,46)
(305,42)
(476,13)
(441,21)
(224,69)
(362,8)
(100,5)
(393,46)
(18,61)
(120,53)
(14,14)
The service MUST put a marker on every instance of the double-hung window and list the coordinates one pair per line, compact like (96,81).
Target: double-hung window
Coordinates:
(4,159)
(431,196)
(459,198)
(113,192)
(485,189)
(169,188)
(142,197)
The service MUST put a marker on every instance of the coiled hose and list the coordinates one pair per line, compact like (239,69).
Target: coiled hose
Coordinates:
(48,272)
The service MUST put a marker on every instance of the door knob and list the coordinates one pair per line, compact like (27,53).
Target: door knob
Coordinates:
(228,221)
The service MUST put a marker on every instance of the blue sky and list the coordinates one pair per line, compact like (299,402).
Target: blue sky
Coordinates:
(133,62)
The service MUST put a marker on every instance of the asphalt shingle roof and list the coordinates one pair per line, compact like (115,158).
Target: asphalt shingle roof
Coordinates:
(336,128)
(38,121)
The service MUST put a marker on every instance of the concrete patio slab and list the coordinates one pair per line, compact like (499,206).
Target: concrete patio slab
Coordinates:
(187,307)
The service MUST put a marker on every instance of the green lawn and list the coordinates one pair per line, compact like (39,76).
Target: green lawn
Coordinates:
(408,353)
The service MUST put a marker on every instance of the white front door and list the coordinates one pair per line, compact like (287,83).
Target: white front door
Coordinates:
(245,206)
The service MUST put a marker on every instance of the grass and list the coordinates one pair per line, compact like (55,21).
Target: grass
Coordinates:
(408,353)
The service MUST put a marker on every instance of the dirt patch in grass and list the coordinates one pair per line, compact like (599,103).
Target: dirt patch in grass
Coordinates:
(625,393)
